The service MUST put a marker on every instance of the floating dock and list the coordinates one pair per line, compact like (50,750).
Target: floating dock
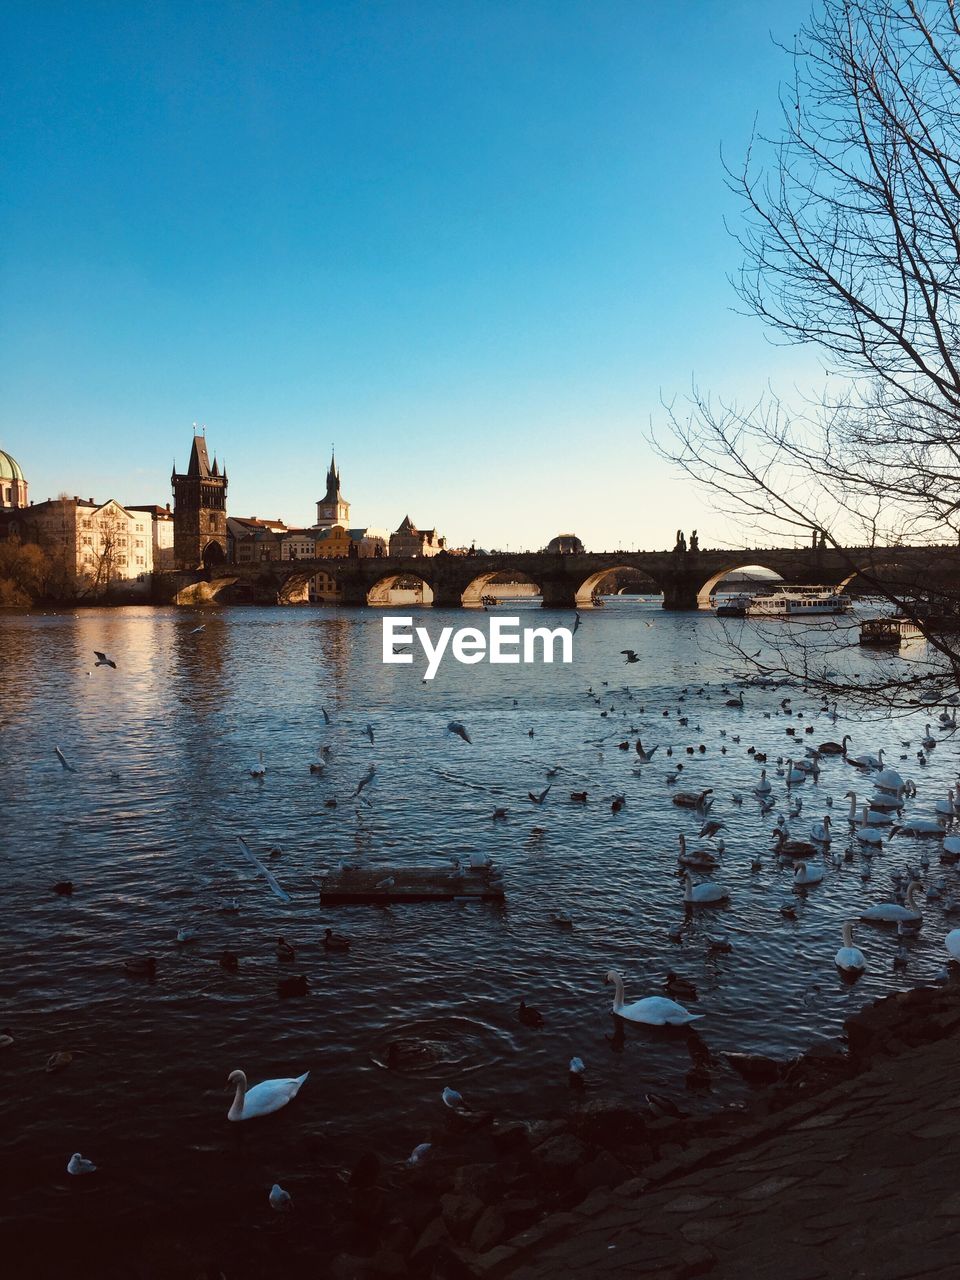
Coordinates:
(383,885)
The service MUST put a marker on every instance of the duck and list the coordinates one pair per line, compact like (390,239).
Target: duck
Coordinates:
(259,769)
(894,912)
(285,951)
(263,1098)
(675,985)
(701,858)
(820,831)
(804,875)
(691,799)
(834,748)
(850,959)
(562,919)
(706,894)
(653,1011)
(335,941)
(141,966)
(528,1015)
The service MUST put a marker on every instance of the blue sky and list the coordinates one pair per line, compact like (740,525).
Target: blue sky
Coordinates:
(471,241)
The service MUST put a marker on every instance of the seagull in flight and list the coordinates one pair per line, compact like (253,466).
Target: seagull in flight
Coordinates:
(365,780)
(103,660)
(326,715)
(576,622)
(460,730)
(539,798)
(645,756)
(631,655)
(369,731)
(196,630)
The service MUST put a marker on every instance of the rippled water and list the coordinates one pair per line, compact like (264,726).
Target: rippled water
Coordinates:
(146,830)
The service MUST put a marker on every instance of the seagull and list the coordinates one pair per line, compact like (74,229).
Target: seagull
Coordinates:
(326,715)
(77,1164)
(539,799)
(267,875)
(456,727)
(63,760)
(453,1100)
(645,756)
(576,1073)
(103,660)
(576,622)
(196,630)
(631,655)
(388,883)
(365,780)
(369,731)
(279,1199)
(419,1154)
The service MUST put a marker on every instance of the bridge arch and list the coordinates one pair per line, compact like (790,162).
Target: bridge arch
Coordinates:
(593,584)
(486,584)
(898,576)
(709,587)
(407,580)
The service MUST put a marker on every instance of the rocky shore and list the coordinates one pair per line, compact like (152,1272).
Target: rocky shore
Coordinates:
(495,1193)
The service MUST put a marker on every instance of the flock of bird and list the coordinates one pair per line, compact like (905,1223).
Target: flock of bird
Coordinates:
(881,809)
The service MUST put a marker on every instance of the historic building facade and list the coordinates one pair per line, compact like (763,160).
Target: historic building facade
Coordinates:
(161,528)
(410,541)
(100,542)
(13,484)
(199,510)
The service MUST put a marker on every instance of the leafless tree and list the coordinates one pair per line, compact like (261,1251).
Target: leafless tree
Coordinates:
(851,243)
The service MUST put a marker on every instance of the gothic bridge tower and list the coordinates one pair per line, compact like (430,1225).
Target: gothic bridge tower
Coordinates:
(199,511)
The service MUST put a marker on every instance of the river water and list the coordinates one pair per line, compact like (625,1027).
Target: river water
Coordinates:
(147,826)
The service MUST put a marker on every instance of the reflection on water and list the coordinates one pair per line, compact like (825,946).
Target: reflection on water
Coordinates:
(146,831)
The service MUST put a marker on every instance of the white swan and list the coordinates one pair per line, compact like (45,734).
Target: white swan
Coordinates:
(893,912)
(919,827)
(804,875)
(928,740)
(655,1011)
(951,845)
(263,1098)
(889,780)
(849,959)
(820,831)
(952,943)
(947,806)
(870,835)
(259,769)
(763,787)
(795,773)
(707,894)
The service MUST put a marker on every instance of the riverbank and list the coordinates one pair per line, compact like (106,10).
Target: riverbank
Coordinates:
(842,1166)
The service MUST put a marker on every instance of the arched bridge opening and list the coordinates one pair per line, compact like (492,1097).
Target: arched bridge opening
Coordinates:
(400,589)
(895,576)
(504,586)
(735,578)
(615,580)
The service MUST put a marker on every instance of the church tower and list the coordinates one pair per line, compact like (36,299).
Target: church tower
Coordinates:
(333,508)
(199,511)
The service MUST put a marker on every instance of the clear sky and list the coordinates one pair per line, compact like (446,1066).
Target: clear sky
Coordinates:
(470,241)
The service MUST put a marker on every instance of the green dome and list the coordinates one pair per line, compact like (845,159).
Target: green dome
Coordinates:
(10,468)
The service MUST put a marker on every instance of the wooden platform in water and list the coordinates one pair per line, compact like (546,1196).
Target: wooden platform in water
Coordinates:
(411,884)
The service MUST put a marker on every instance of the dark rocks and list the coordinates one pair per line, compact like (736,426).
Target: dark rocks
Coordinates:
(365,1172)
(434,1240)
(509,1135)
(759,1070)
(489,1231)
(460,1213)
(607,1122)
(560,1155)
(604,1170)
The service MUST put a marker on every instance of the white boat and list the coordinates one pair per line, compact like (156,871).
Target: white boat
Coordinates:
(799,602)
(733,606)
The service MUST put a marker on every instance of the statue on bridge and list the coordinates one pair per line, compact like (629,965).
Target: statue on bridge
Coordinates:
(681,541)
(694,541)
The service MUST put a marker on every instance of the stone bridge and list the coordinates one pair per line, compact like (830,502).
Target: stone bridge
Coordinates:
(686,578)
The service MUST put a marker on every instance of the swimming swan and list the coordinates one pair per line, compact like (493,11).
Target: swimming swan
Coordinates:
(707,894)
(654,1011)
(849,959)
(893,912)
(263,1098)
